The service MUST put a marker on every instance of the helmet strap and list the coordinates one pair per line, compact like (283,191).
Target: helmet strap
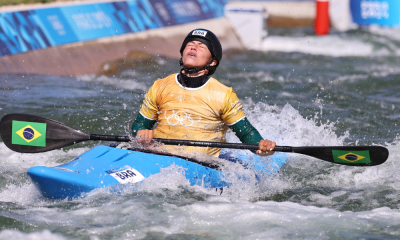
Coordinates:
(193,82)
(211,69)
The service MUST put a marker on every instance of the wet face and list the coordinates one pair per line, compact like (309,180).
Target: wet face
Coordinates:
(196,54)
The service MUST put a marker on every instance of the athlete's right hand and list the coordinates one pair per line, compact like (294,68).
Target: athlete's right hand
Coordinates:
(144,136)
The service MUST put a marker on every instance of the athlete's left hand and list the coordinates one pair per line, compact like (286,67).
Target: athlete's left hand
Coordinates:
(265,147)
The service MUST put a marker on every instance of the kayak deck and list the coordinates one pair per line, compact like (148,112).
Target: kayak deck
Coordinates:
(103,166)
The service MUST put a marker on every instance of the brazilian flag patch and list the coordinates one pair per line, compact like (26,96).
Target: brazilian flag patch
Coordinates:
(341,156)
(29,133)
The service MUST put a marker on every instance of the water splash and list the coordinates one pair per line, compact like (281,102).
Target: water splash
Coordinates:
(42,235)
(331,45)
(121,83)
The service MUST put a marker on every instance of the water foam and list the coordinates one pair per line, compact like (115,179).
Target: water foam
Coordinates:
(320,183)
(287,126)
(330,45)
(24,161)
(42,235)
(172,178)
(379,70)
(16,187)
(286,220)
(388,33)
(120,83)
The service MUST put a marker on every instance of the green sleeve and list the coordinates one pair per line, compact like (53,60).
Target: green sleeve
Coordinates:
(246,132)
(142,123)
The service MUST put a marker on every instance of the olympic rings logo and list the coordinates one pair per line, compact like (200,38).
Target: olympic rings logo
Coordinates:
(181,118)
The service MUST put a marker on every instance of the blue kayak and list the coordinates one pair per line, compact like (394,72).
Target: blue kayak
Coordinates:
(104,166)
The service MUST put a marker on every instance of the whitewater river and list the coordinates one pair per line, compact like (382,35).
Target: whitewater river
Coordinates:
(342,89)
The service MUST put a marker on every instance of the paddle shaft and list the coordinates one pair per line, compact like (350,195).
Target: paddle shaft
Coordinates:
(219,144)
(190,143)
(110,138)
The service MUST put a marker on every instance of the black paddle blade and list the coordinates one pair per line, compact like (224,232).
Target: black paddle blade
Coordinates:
(32,134)
(347,155)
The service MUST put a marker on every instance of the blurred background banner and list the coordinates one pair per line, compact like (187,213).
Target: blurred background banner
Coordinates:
(379,12)
(24,31)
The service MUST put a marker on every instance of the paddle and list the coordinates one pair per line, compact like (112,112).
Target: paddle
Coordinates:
(32,134)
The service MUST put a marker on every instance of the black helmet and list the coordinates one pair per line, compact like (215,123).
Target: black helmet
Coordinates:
(211,41)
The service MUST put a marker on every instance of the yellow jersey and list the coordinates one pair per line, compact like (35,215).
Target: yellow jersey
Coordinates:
(201,114)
